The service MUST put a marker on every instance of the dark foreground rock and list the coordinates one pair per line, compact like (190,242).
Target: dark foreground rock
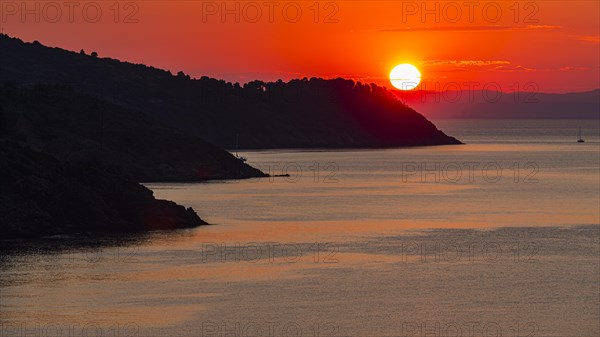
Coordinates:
(41,195)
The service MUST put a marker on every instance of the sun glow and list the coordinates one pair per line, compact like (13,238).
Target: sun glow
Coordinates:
(405,76)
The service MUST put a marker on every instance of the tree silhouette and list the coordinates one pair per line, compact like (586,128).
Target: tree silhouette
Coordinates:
(307,112)
(3,121)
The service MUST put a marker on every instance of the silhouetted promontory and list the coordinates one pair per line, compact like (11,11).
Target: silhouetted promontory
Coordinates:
(80,128)
(42,196)
(79,132)
(304,113)
(71,164)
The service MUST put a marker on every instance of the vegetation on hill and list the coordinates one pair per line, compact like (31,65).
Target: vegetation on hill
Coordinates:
(304,113)
(79,132)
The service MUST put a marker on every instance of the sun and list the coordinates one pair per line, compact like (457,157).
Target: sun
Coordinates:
(405,76)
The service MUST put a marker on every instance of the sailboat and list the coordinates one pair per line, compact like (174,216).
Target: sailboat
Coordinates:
(237,146)
(580,140)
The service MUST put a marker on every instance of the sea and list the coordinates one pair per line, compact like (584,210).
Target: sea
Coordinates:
(499,236)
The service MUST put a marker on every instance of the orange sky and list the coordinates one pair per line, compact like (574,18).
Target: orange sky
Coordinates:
(554,44)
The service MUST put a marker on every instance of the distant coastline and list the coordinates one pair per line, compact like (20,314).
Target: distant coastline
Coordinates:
(478,104)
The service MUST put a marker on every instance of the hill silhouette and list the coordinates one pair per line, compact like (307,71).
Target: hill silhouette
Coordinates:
(79,128)
(79,132)
(480,104)
(71,163)
(306,113)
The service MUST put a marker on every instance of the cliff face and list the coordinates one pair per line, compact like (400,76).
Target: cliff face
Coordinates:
(41,196)
(300,113)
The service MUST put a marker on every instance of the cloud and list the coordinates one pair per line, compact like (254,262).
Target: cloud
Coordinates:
(591,39)
(569,68)
(485,28)
(463,63)
(514,69)
(473,65)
